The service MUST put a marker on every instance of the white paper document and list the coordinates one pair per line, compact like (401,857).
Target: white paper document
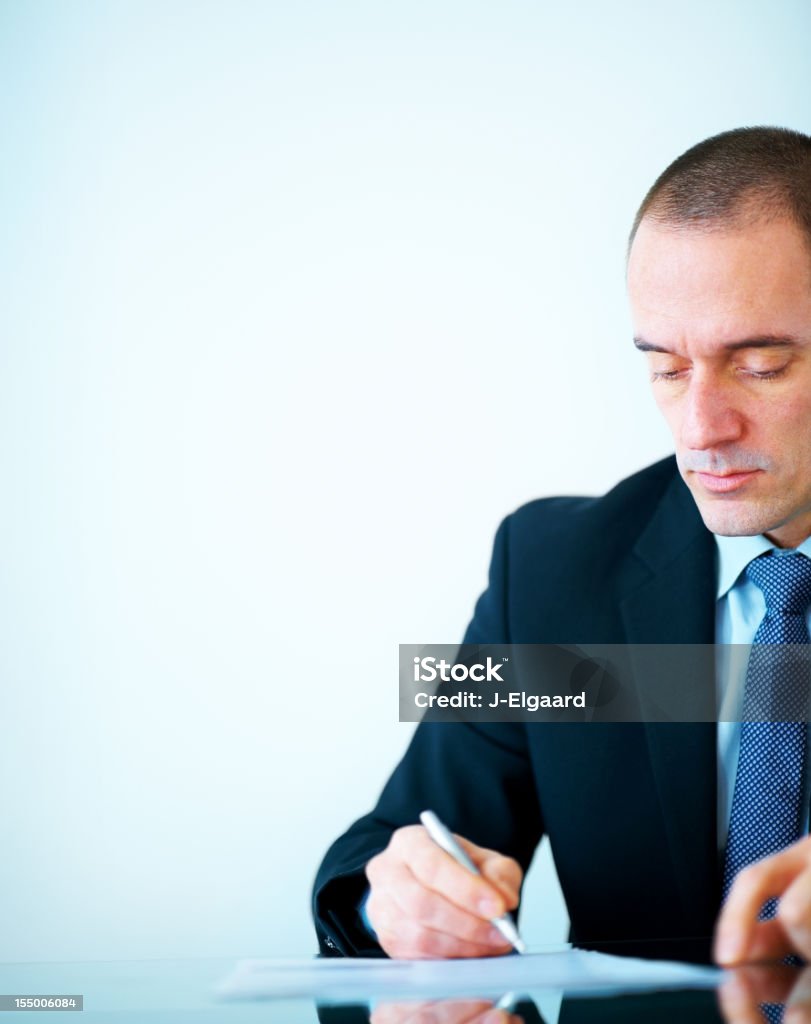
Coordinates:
(574,971)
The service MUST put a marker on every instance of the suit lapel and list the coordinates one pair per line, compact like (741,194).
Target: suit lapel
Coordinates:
(670,583)
(670,599)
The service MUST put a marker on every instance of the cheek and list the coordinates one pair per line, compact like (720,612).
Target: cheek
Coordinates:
(785,424)
(670,410)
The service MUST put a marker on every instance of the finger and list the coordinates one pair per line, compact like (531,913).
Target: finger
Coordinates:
(448,1011)
(403,897)
(408,939)
(396,1013)
(737,1003)
(768,943)
(799,1014)
(437,870)
(744,991)
(412,847)
(766,984)
(461,1011)
(496,1016)
(798,1004)
(410,1013)
(413,841)
(411,941)
(504,872)
(750,890)
(794,913)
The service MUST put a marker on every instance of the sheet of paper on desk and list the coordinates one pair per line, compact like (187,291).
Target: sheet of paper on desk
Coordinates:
(358,980)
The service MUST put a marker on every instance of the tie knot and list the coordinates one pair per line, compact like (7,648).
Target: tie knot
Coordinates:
(785,581)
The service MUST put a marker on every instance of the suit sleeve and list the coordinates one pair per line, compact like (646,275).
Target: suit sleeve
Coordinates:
(476,777)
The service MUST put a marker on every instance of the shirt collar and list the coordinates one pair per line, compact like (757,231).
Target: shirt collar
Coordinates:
(735,553)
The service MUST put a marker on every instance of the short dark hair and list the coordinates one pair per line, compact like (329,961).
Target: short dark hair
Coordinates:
(732,179)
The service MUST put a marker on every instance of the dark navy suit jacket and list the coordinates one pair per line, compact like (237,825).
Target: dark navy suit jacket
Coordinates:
(630,809)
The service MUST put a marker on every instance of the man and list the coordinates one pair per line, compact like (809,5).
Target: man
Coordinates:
(653,827)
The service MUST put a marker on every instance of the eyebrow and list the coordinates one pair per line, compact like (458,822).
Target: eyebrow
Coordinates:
(763,341)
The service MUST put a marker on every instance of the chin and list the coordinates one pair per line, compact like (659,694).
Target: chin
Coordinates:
(734,522)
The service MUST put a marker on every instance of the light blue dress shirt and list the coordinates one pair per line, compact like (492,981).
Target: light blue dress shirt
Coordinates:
(739,610)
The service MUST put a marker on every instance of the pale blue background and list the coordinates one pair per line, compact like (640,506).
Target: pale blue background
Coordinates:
(297,300)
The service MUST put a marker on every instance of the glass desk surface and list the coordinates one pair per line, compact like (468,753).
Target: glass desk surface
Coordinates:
(158,991)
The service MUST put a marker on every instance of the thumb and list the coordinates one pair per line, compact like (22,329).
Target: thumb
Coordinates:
(502,872)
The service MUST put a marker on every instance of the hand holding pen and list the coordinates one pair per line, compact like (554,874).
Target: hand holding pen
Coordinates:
(445,840)
(424,903)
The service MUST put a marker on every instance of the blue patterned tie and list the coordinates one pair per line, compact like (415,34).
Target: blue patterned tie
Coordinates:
(766,806)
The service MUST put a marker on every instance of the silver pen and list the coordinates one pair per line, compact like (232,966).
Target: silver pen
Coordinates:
(443,838)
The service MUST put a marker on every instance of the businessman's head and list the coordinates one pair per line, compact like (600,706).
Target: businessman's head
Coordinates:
(719,279)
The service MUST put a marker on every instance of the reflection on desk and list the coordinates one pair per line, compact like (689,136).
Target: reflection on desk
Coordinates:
(166,992)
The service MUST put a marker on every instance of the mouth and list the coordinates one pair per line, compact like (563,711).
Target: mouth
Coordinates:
(727,482)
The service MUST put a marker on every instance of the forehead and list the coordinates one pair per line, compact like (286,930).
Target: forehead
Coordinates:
(707,287)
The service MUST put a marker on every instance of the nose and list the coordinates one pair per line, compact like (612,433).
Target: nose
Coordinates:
(710,416)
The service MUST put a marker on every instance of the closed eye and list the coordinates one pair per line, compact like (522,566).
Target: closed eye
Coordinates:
(666,374)
(766,374)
